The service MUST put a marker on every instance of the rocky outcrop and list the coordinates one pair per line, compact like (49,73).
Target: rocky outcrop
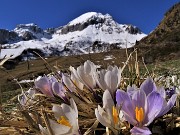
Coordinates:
(33,27)
(28,36)
(133,30)
(82,26)
(6,36)
(51,30)
(31,31)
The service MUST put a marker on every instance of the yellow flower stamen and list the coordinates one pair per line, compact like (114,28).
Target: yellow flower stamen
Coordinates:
(115,115)
(139,114)
(63,121)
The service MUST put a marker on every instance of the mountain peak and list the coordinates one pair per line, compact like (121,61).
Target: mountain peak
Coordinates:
(28,27)
(90,32)
(87,17)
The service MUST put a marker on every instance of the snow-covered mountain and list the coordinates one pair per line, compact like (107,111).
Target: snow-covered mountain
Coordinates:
(90,32)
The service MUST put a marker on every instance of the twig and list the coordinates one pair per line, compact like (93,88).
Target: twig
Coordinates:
(46,120)
(145,66)
(125,64)
(92,128)
(28,118)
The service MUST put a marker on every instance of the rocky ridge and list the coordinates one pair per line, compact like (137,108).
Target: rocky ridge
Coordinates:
(164,42)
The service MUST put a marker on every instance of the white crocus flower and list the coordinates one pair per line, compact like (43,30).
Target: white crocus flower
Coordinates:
(174,79)
(67,120)
(86,74)
(109,79)
(68,82)
(26,98)
(43,130)
(178,87)
(168,82)
(109,115)
(76,82)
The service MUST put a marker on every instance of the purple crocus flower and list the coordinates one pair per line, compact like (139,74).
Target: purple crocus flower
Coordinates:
(59,90)
(148,86)
(170,91)
(144,106)
(45,85)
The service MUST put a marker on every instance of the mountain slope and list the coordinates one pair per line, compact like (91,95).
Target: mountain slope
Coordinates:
(164,42)
(90,32)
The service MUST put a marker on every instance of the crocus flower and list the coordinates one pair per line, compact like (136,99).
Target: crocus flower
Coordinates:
(144,106)
(131,90)
(174,79)
(43,130)
(66,120)
(108,116)
(109,79)
(170,91)
(68,82)
(59,90)
(75,80)
(45,85)
(26,98)
(86,74)
(178,89)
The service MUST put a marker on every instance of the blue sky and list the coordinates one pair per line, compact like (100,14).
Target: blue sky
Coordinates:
(145,14)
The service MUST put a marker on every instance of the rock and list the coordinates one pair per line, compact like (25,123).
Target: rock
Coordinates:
(133,30)
(6,36)
(33,27)
(28,36)
(82,26)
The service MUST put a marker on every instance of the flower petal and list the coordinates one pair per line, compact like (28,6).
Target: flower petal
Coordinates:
(73,106)
(108,103)
(44,85)
(131,90)
(68,82)
(58,89)
(128,118)
(76,81)
(58,112)
(123,99)
(111,80)
(74,72)
(87,79)
(71,114)
(100,79)
(140,131)
(162,91)
(59,129)
(22,99)
(170,104)
(148,86)
(88,67)
(101,119)
(43,130)
(117,71)
(139,99)
(155,104)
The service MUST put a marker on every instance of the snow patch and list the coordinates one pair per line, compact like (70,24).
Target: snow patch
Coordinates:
(109,57)
(82,18)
